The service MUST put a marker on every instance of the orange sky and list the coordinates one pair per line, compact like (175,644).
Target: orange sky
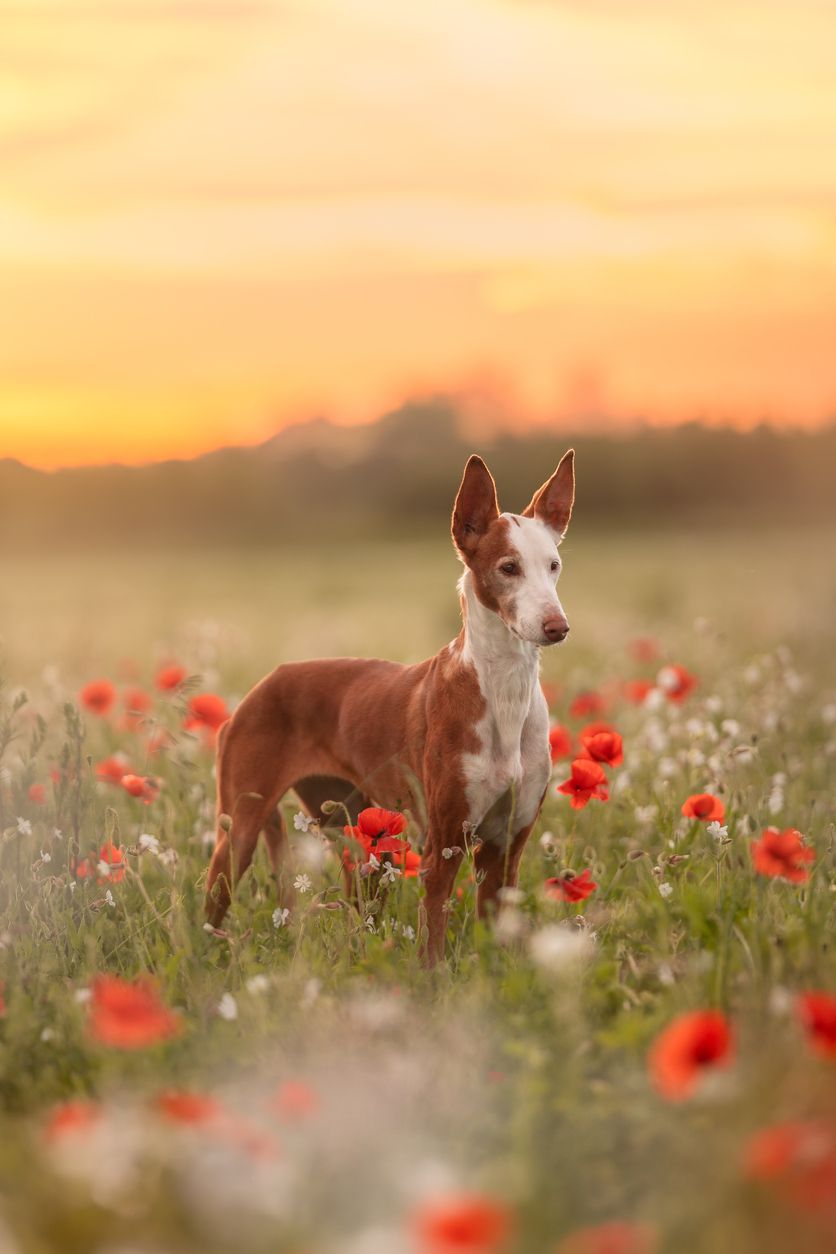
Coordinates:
(217,216)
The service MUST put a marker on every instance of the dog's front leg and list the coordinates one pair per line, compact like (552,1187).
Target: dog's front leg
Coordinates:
(439,876)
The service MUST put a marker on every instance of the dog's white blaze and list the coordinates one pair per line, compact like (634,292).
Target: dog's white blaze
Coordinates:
(537,599)
(513,731)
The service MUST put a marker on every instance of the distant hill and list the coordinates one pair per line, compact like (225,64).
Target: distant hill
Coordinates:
(399,475)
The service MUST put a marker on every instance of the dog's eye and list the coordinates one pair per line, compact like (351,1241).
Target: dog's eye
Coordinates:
(555,566)
(510,568)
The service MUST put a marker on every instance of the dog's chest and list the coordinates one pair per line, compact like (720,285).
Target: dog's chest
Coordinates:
(505,778)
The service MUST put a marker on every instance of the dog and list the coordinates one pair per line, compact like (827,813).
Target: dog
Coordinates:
(460,740)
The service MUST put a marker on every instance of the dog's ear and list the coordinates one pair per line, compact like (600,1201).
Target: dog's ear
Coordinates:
(552,503)
(476,506)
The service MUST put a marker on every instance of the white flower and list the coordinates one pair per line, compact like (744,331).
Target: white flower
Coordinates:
(48,1034)
(258,984)
(666,767)
(167,857)
(666,890)
(548,844)
(718,830)
(408,931)
(302,822)
(390,874)
(654,700)
(668,679)
(24,827)
(450,851)
(369,922)
(103,869)
(646,814)
(228,1007)
(45,857)
(149,843)
(57,834)
(730,727)
(555,948)
(109,898)
(373,863)
(302,883)
(776,801)
(511,896)
(280,916)
(509,925)
(82,995)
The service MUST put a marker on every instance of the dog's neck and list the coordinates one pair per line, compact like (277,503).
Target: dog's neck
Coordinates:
(508,668)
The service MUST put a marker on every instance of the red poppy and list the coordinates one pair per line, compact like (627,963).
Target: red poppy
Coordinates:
(705,807)
(568,887)
(206,712)
(687,1047)
(409,862)
(637,690)
(817,1012)
(182,1106)
(587,705)
(782,854)
(644,649)
(602,744)
(37,793)
(377,832)
(618,1237)
(587,780)
(676,682)
(72,1116)
(799,1159)
(98,696)
(560,742)
(129,1014)
(143,787)
(468,1222)
(110,770)
(294,1100)
(109,867)
(170,677)
(137,703)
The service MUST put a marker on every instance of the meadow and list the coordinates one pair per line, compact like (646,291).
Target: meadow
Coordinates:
(296,1082)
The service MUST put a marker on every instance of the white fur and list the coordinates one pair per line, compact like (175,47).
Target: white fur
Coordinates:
(513,732)
(536,597)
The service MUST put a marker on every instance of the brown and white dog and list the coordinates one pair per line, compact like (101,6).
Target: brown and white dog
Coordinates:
(461,740)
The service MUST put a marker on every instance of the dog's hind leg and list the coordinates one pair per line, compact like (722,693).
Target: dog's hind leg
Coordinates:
(278,849)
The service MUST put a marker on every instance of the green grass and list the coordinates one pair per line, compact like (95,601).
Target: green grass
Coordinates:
(494,1073)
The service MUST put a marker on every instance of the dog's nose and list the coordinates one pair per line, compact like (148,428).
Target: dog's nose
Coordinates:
(555,629)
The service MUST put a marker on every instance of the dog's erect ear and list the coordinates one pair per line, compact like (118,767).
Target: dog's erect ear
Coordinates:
(552,503)
(475,508)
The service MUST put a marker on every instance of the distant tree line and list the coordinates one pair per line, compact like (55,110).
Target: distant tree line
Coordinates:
(400,475)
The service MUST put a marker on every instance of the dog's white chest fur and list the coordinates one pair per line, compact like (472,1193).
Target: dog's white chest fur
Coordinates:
(506,777)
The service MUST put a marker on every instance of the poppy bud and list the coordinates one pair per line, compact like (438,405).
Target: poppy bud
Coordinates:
(328,807)
(635,854)
(225,823)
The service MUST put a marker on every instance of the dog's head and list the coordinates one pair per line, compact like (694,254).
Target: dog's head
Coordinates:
(513,558)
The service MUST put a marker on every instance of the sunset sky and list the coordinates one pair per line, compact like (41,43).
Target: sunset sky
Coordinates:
(219,216)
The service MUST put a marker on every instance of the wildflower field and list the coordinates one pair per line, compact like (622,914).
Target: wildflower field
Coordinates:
(638,1056)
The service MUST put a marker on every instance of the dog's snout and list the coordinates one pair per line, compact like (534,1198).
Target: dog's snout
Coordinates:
(556,629)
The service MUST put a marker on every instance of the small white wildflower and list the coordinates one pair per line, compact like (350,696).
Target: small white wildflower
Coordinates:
(730,727)
(303,883)
(714,704)
(450,851)
(666,975)
(82,995)
(646,814)
(666,890)
(24,827)
(373,863)
(280,916)
(302,822)
(548,844)
(208,927)
(369,922)
(408,931)
(781,1001)
(718,831)
(668,679)
(666,767)
(654,700)
(57,834)
(258,984)
(109,899)
(776,801)
(227,1007)
(511,896)
(168,857)
(555,948)
(390,874)
(45,856)
(509,925)
(149,843)
(310,992)
(48,1034)
(73,886)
